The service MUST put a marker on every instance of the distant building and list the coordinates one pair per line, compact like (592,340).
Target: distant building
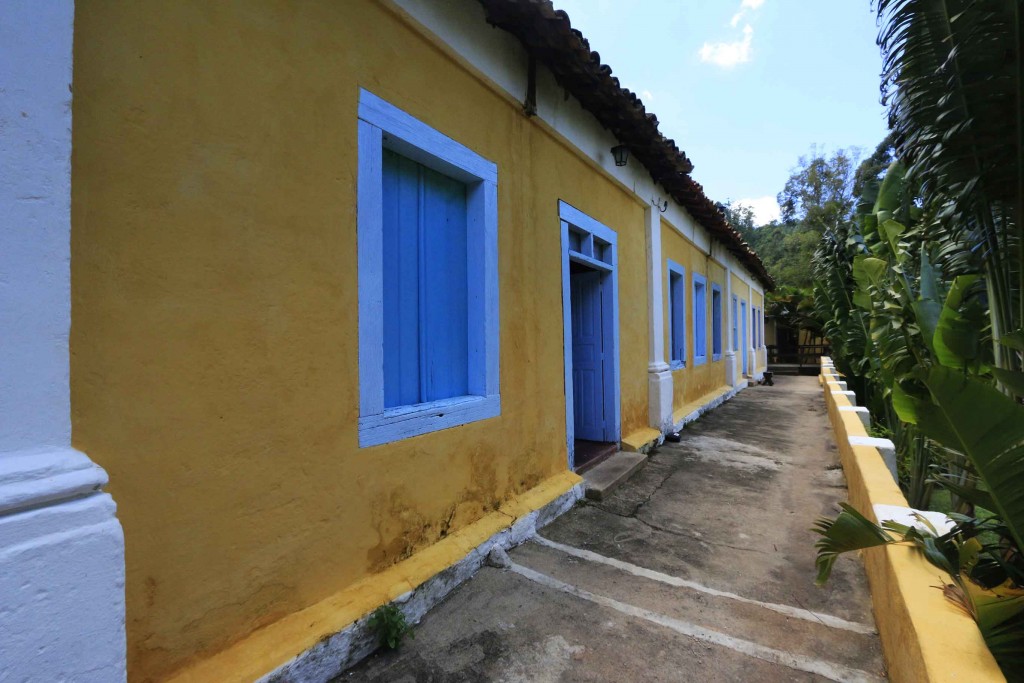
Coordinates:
(352,284)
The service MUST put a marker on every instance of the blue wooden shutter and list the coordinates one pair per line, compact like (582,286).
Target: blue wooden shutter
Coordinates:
(444,360)
(425,284)
(401,198)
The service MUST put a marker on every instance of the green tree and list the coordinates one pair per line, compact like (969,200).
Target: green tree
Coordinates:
(819,192)
(818,195)
(870,173)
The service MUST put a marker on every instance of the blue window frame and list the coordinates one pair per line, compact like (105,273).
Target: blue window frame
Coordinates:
(735,322)
(716,322)
(677,315)
(428,278)
(700,319)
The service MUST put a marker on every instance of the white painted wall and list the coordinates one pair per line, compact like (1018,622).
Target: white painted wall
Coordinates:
(35,203)
(61,547)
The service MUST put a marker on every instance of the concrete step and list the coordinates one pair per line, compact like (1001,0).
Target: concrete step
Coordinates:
(601,480)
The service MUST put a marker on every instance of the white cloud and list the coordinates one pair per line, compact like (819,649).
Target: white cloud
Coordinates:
(727,55)
(647,96)
(744,6)
(765,209)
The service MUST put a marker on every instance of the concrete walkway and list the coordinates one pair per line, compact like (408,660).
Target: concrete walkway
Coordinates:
(699,568)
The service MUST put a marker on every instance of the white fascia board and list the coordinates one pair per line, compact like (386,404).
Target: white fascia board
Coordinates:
(462,24)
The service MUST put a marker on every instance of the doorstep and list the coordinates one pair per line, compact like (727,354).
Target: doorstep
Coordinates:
(600,481)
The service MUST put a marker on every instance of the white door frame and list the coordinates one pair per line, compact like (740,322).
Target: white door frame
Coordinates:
(592,233)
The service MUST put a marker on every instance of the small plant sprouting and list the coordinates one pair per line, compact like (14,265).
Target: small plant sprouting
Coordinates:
(390,625)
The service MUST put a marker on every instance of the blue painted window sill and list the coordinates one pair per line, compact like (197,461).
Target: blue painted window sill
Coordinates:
(403,422)
(716,357)
(700,360)
(677,365)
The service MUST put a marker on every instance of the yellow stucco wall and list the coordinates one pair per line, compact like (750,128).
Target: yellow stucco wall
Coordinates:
(693,381)
(214,339)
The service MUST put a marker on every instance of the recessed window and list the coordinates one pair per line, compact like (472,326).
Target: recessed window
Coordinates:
(716,322)
(428,289)
(677,315)
(700,319)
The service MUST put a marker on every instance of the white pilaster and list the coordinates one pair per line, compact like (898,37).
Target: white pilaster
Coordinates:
(61,547)
(659,376)
(731,372)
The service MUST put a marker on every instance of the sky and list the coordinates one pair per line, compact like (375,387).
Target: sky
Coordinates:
(745,87)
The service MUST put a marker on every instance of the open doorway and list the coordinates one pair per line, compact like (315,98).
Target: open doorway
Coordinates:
(589,356)
(590,303)
(743,337)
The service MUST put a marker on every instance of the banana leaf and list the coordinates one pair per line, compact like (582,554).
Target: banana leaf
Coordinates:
(1000,616)
(1011,379)
(987,426)
(1014,340)
(971,494)
(957,340)
(928,307)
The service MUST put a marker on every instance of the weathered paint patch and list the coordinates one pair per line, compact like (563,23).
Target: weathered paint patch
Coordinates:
(341,650)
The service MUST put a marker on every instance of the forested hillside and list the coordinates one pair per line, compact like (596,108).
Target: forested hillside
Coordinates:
(822,191)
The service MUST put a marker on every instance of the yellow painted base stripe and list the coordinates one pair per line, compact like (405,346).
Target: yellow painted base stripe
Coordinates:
(641,438)
(692,406)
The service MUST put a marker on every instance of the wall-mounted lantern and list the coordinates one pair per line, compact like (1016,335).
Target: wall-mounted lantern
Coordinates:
(621,154)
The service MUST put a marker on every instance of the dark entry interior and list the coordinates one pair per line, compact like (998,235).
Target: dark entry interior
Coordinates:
(587,454)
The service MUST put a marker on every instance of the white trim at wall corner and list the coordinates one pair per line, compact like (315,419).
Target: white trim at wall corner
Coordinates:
(61,546)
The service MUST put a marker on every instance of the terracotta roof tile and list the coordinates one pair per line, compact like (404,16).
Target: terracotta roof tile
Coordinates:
(547,34)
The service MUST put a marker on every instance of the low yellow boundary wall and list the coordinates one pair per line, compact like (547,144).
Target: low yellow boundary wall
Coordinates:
(925,638)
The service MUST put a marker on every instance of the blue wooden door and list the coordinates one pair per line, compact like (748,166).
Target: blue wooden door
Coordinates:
(743,338)
(588,355)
